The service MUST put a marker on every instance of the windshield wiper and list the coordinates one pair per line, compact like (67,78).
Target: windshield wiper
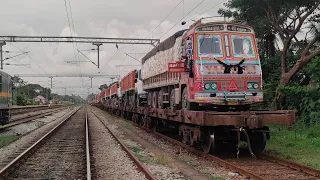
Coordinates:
(227,67)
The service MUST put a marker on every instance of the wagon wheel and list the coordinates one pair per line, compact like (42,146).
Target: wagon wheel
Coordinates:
(258,143)
(155,99)
(208,142)
(160,100)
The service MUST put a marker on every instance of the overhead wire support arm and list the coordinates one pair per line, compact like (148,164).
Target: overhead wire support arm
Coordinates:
(67,75)
(71,39)
(87,58)
(15,56)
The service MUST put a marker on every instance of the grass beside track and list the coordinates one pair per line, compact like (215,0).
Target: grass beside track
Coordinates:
(301,146)
(5,140)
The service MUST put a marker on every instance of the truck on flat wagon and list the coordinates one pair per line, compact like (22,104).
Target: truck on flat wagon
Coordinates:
(201,82)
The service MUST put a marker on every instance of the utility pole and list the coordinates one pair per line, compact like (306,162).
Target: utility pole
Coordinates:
(112,79)
(51,81)
(65,93)
(98,47)
(2,43)
(91,81)
(46,95)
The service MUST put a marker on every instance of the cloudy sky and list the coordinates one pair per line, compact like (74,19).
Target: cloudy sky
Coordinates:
(96,18)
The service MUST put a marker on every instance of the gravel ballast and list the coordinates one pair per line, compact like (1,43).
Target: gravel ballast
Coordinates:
(159,164)
(109,161)
(209,168)
(34,135)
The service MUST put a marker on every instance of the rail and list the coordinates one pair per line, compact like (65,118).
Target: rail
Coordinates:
(290,164)
(147,173)
(28,118)
(87,148)
(34,106)
(4,171)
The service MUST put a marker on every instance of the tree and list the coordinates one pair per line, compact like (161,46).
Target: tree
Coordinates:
(91,96)
(18,82)
(21,99)
(103,86)
(284,18)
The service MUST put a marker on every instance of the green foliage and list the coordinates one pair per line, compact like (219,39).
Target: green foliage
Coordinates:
(21,99)
(5,140)
(302,145)
(255,12)
(29,102)
(33,90)
(90,97)
(303,99)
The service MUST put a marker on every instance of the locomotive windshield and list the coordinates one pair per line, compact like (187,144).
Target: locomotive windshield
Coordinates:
(242,46)
(210,46)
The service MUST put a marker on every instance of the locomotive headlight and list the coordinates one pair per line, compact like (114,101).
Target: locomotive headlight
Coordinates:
(214,86)
(249,85)
(256,86)
(207,86)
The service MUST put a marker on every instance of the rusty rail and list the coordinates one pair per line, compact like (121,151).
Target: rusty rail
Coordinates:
(28,118)
(147,173)
(4,171)
(207,156)
(87,148)
(290,164)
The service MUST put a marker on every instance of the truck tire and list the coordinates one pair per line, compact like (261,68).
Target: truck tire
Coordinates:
(172,103)
(155,99)
(160,100)
(185,104)
(149,98)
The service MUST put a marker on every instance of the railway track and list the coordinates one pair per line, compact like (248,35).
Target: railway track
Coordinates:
(261,166)
(26,109)
(62,153)
(29,117)
(140,166)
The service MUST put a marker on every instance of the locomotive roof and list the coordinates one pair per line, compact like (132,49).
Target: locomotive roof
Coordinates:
(4,73)
(164,45)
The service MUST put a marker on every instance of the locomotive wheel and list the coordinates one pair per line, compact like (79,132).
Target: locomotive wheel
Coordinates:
(208,142)
(160,100)
(155,99)
(258,142)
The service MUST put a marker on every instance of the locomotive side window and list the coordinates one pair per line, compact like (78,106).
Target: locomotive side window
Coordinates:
(209,45)
(242,46)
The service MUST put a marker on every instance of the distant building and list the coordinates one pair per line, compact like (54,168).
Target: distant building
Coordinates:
(40,99)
